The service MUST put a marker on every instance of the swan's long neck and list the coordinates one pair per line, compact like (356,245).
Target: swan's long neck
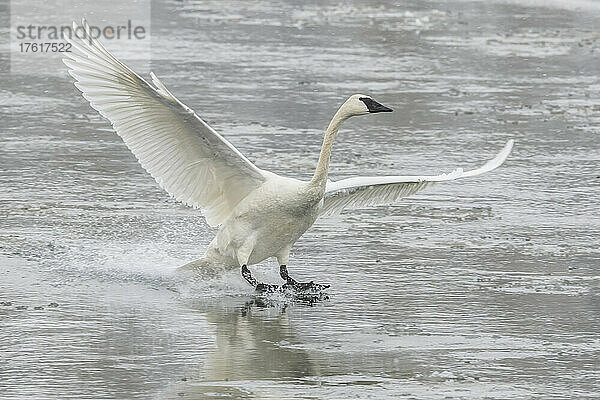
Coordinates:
(319,179)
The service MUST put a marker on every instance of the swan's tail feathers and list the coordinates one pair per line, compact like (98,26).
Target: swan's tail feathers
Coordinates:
(201,268)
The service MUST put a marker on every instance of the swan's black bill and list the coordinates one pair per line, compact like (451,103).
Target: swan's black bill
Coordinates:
(373,106)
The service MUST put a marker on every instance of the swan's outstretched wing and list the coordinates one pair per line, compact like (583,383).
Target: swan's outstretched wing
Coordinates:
(188,159)
(366,191)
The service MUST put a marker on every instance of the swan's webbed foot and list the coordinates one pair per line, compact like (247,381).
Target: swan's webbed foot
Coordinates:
(305,287)
(291,283)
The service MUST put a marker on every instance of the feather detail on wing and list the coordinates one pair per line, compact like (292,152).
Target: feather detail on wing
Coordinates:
(188,159)
(367,191)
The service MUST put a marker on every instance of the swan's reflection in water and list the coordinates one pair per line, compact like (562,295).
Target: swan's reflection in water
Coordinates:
(255,341)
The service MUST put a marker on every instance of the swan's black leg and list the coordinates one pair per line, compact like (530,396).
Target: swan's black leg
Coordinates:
(248,276)
(260,287)
(285,276)
(298,286)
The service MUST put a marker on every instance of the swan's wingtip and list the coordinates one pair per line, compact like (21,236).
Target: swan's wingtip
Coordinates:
(509,145)
(507,149)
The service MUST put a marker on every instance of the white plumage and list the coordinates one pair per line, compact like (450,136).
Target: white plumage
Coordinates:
(260,214)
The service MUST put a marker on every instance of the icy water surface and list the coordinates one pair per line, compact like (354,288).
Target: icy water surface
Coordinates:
(482,288)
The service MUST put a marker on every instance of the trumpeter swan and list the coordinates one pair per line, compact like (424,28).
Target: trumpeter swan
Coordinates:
(259,214)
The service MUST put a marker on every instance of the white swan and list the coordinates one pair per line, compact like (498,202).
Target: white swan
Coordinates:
(260,214)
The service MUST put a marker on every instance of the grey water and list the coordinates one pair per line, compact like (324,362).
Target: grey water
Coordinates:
(482,288)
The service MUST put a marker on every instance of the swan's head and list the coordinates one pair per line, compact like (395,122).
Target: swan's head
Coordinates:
(360,104)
